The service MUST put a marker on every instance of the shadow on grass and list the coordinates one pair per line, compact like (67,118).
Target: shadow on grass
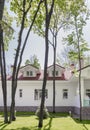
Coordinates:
(46,127)
(30,128)
(2,125)
(83,122)
(49,125)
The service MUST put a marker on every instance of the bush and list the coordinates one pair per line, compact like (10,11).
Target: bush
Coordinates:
(45,113)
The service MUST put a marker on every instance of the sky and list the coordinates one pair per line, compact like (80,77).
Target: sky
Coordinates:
(36,45)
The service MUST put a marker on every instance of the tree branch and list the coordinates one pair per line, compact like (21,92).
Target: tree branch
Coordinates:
(25,41)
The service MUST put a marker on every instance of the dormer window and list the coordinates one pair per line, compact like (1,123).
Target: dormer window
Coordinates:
(56,73)
(29,73)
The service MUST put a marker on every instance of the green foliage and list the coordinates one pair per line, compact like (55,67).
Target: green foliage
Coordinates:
(27,62)
(33,61)
(30,7)
(7,28)
(58,17)
(45,113)
(78,17)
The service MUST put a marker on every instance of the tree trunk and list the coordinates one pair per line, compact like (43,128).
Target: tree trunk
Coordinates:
(3,65)
(47,22)
(3,76)
(79,59)
(12,108)
(54,72)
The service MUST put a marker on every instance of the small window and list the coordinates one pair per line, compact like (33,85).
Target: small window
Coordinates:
(38,94)
(20,93)
(65,93)
(56,73)
(31,73)
(88,92)
(27,73)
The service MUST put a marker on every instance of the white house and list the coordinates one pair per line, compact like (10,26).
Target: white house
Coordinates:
(29,91)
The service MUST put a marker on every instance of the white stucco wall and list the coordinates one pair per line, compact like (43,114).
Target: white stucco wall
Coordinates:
(28,88)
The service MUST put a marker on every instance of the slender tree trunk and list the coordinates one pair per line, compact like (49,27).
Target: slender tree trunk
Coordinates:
(3,78)
(3,66)
(79,59)
(43,87)
(54,73)
(47,22)
(45,76)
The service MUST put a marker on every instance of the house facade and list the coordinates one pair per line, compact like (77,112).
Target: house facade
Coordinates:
(29,90)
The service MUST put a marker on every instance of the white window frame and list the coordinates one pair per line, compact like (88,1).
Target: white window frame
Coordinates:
(20,93)
(29,73)
(56,73)
(65,93)
(38,94)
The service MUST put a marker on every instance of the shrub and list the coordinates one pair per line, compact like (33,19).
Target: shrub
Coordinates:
(45,113)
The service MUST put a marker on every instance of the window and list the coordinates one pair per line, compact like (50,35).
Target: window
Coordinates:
(38,94)
(88,92)
(20,93)
(56,73)
(29,73)
(65,93)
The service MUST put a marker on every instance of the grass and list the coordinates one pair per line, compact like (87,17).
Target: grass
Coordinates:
(58,121)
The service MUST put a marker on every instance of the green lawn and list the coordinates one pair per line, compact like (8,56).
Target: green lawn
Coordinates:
(28,121)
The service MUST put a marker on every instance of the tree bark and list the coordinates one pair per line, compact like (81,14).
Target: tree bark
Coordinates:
(54,73)
(79,58)
(3,65)
(47,22)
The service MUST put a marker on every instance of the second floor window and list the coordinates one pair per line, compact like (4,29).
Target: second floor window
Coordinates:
(56,73)
(29,73)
